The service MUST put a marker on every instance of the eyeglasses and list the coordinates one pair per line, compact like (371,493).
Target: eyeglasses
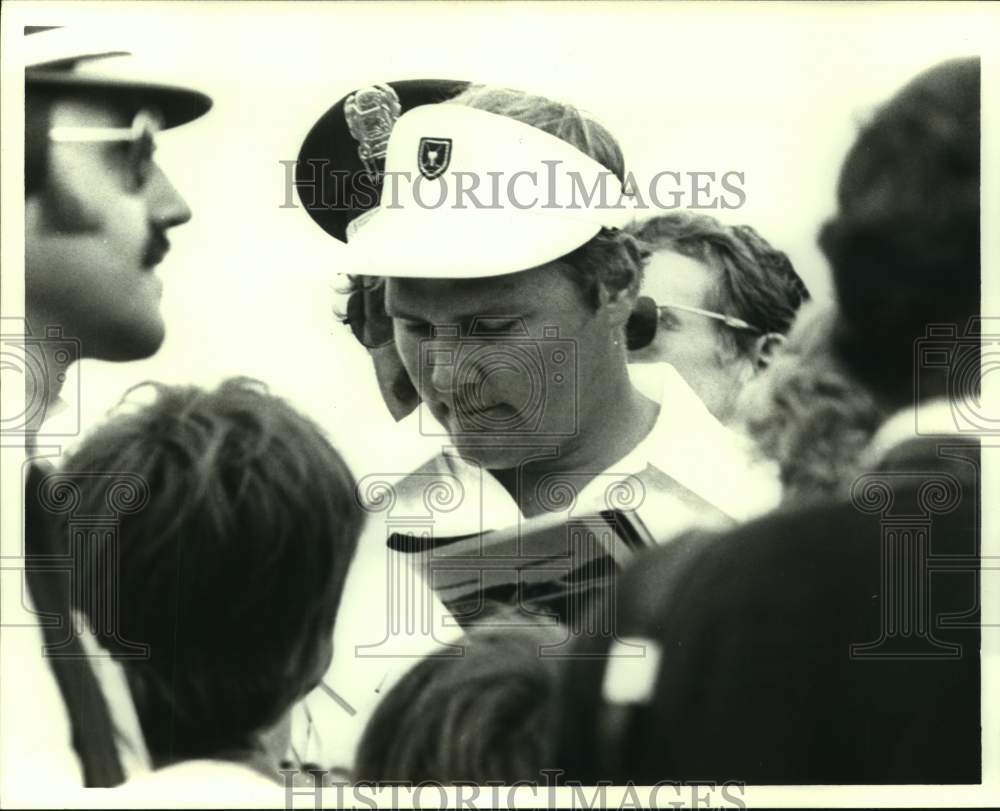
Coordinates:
(366,315)
(145,125)
(641,327)
(139,140)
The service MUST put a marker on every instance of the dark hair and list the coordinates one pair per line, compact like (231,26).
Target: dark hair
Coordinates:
(232,571)
(757,282)
(485,715)
(612,259)
(357,285)
(904,245)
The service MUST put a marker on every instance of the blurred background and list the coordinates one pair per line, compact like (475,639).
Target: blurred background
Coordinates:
(775,92)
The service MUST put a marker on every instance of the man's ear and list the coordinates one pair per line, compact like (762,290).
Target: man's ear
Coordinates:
(765,349)
(618,304)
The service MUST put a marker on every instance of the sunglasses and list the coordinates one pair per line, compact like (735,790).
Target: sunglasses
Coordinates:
(366,315)
(642,323)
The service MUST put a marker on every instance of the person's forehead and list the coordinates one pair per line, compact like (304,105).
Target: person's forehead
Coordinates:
(538,288)
(672,278)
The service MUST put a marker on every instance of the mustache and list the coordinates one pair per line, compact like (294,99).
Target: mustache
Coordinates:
(157,247)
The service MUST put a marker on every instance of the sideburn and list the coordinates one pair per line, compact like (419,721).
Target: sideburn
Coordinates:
(66,212)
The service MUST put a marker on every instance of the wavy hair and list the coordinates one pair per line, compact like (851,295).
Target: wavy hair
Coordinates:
(233,570)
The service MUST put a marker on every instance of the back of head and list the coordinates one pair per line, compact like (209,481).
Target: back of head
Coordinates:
(904,245)
(484,715)
(231,572)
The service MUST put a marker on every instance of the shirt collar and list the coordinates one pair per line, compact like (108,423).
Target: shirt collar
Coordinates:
(934,417)
(687,443)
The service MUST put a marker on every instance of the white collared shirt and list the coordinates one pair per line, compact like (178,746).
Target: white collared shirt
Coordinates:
(200,783)
(389,617)
(36,735)
(934,417)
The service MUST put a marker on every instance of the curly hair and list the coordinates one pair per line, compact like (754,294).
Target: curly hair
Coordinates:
(232,572)
(612,259)
(757,282)
(810,415)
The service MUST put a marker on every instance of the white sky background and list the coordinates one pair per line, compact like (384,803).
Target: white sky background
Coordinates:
(773,91)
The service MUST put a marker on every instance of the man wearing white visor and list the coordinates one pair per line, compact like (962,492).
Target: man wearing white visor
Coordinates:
(494,236)
(510,284)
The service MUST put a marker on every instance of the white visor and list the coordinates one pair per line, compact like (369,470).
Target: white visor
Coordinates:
(470,194)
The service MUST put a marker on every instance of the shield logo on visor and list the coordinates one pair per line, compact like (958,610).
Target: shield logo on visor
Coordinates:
(433,156)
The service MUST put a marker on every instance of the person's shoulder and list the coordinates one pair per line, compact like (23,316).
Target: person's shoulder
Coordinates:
(788,537)
(690,445)
(192,779)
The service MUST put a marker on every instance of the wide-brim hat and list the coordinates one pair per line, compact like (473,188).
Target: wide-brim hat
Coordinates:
(80,62)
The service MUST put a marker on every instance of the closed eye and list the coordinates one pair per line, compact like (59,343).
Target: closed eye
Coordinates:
(669,321)
(413,327)
(497,326)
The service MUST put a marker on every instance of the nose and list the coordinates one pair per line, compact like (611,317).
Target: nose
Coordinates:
(441,360)
(166,207)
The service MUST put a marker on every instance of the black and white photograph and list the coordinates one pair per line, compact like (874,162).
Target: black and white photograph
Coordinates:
(500,404)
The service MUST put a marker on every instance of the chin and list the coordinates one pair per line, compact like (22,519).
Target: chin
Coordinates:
(128,342)
(502,452)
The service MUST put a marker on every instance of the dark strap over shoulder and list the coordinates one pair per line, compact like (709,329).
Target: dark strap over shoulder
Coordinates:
(93,732)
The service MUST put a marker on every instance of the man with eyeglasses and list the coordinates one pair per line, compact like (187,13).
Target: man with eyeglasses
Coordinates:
(97,207)
(97,213)
(716,303)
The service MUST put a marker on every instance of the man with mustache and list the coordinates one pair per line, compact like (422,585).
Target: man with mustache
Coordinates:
(97,213)
(97,206)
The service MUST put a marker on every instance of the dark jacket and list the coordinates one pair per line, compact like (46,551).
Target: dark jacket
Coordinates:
(808,647)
